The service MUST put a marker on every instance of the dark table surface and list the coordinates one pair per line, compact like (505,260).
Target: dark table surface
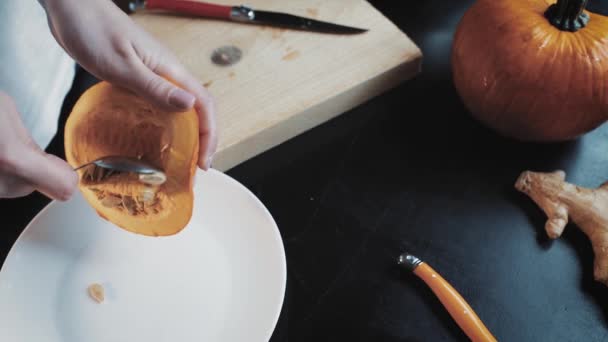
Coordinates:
(410,170)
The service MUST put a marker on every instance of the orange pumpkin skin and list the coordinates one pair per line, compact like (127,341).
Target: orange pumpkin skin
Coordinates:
(108,120)
(527,79)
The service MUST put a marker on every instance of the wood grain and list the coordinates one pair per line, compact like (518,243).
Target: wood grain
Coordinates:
(287,81)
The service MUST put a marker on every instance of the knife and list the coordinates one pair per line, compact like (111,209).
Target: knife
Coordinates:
(456,306)
(239,14)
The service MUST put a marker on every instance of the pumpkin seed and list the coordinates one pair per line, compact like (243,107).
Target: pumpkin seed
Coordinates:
(96,292)
(98,172)
(111,201)
(157,178)
(147,195)
(139,204)
(88,174)
(129,204)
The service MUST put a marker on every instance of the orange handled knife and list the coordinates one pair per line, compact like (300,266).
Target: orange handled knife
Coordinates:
(458,308)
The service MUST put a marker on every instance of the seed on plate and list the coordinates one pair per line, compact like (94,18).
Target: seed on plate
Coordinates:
(96,292)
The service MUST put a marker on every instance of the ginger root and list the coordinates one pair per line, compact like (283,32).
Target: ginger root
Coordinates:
(587,208)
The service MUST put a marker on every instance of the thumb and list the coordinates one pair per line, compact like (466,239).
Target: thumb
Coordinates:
(159,91)
(50,175)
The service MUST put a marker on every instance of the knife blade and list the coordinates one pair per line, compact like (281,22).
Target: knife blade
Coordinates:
(242,14)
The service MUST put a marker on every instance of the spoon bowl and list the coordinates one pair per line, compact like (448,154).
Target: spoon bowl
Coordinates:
(148,173)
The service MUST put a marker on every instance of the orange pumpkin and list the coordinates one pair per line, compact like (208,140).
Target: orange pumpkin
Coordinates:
(533,70)
(111,121)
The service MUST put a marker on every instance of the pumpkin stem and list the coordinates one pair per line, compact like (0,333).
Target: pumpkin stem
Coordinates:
(568,15)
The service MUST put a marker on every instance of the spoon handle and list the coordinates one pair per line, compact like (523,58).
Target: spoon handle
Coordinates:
(83,165)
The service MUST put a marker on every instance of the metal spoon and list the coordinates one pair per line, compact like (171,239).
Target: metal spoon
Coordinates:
(147,173)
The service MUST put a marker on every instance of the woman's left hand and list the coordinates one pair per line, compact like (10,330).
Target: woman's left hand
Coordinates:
(108,44)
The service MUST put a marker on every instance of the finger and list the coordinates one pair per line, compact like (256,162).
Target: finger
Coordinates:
(45,172)
(208,138)
(205,107)
(13,115)
(158,90)
(13,187)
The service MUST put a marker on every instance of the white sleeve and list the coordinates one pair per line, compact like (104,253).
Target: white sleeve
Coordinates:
(34,69)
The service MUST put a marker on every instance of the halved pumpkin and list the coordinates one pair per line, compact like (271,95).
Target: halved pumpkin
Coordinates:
(111,121)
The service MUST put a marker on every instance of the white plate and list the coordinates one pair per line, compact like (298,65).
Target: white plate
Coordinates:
(221,279)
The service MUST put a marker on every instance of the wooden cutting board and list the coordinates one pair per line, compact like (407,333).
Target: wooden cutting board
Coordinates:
(286,81)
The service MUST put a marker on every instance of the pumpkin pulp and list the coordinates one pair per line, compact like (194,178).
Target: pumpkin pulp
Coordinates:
(111,121)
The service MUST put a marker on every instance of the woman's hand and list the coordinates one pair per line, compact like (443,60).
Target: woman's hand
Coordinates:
(107,43)
(24,167)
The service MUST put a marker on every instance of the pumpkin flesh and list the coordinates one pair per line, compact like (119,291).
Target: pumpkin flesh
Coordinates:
(526,78)
(111,121)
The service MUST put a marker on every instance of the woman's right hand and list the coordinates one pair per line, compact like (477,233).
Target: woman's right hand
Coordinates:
(24,166)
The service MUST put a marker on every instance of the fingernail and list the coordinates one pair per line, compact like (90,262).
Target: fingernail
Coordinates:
(67,185)
(181,99)
(205,164)
(210,162)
